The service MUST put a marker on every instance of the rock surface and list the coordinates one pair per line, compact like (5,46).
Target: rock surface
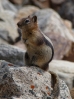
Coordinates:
(24,81)
(27,83)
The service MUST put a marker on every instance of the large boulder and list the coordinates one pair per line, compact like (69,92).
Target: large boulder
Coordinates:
(27,83)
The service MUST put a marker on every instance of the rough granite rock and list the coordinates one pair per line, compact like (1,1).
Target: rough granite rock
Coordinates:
(24,81)
(27,83)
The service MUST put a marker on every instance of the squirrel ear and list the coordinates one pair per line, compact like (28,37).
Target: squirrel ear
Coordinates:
(34,18)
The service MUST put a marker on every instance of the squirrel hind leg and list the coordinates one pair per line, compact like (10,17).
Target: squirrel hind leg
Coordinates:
(45,66)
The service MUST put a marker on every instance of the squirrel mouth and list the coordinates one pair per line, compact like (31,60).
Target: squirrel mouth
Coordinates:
(24,40)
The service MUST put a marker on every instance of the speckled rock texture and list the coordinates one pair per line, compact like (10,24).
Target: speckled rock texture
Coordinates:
(27,83)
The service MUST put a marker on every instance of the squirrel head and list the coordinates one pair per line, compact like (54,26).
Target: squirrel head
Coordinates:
(28,23)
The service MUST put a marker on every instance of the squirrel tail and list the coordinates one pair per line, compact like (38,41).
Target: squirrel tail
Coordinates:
(55,85)
(72,93)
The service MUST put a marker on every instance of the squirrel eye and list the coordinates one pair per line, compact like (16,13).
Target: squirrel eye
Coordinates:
(30,33)
(27,21)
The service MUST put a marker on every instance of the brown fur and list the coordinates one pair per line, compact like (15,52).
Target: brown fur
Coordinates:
(39,49)
(55,85)
(72,93)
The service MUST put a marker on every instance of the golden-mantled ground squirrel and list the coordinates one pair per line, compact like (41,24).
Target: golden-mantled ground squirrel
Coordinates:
(39,47)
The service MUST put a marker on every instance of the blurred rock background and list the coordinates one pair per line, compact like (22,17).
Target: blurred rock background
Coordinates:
(55,19)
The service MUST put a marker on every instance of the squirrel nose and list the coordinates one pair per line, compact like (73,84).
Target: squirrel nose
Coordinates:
(18,24)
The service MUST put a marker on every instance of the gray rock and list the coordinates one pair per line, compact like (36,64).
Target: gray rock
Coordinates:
(27,83)
(24,81)
(12,54)
(8,6)
(12,13)
(8,28)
